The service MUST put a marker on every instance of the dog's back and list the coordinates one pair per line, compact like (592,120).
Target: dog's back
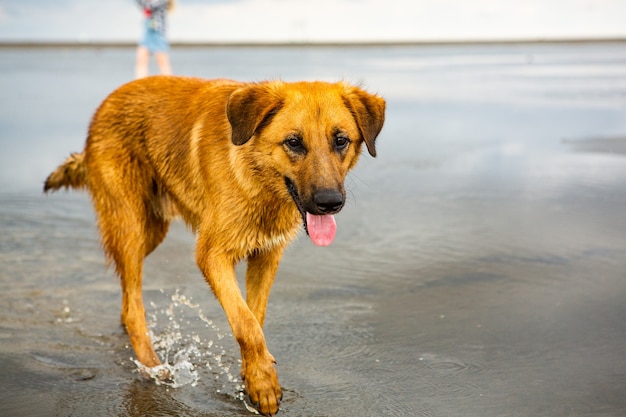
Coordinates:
(146,134)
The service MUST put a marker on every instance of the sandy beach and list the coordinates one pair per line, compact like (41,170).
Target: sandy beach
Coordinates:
(478,269)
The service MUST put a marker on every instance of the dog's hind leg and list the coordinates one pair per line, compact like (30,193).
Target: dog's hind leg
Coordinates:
(130,229)
(133,310)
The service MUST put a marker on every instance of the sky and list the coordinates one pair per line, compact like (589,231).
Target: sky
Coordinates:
(317,20)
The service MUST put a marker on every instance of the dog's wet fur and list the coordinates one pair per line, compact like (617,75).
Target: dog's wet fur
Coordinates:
(245,165)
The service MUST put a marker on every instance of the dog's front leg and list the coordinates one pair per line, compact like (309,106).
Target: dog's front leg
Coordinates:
(262,267)
(258,372)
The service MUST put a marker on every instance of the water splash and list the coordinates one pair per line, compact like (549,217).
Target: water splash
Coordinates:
(65,315)
(188,357)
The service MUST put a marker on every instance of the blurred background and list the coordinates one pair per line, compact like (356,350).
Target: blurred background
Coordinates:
(318,21)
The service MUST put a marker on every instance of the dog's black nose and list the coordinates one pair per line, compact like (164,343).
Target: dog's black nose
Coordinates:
(328,201)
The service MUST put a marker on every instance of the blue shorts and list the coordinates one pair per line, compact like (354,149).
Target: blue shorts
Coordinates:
(154,41)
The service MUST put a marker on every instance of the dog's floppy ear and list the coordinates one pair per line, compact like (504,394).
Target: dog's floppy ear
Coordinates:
(249,109)
(369,112)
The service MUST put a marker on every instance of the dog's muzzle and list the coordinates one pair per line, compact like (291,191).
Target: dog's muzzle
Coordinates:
(319,222)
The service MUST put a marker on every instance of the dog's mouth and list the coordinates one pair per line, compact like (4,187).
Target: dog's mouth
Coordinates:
(320,228)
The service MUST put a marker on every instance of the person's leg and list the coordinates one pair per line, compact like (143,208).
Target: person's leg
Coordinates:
(141,63)
(163,62)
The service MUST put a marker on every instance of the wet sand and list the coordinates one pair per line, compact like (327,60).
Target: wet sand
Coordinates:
(478,268)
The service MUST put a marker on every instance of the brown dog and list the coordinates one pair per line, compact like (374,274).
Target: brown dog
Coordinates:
(244,165)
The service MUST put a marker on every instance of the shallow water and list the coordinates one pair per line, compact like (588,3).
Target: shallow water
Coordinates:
(478,268)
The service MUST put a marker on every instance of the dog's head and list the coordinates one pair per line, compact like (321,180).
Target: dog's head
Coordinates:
(307,135)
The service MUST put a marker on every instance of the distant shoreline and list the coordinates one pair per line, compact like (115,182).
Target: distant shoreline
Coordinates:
(298,44)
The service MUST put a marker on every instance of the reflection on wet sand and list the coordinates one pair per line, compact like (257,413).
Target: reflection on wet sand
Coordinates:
(611,145)
(478,268)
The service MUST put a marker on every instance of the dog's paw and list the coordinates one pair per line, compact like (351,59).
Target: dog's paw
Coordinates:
(262,387)
(161,374)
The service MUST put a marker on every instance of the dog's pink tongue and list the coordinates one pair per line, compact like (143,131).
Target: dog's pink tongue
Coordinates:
(321,228)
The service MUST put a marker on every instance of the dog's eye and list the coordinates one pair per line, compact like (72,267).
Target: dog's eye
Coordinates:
(295,144)
(341,142)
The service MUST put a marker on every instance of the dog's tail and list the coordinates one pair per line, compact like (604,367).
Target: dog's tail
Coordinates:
(70,174)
